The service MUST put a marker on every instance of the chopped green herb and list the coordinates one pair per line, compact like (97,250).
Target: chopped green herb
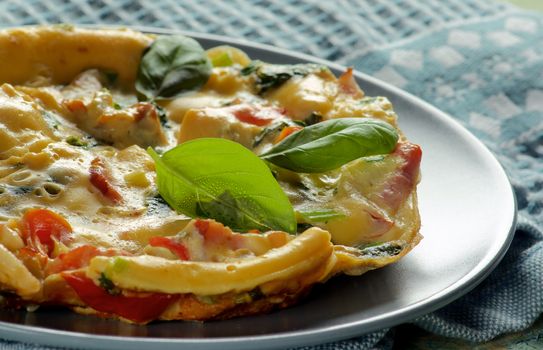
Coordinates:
(270,76)
(162,115)
(242,298)
(119,265)
(157,206)
(107,284)
(17,190)
(320,215)
(251,68)
(51,120)
(76,141)
(223,60)
(206,299)
(369,100)
(376,158)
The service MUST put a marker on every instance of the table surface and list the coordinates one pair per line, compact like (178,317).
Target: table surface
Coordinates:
(409,337)
(412,338)
(528,4)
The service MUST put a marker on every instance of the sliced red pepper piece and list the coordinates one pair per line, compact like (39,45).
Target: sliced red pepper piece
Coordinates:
(41,227)
(99,179)
(398,187)
(177,248)
(287,131)
(77,258)
(138,308)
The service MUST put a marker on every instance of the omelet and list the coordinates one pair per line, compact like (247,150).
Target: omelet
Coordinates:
(86,222)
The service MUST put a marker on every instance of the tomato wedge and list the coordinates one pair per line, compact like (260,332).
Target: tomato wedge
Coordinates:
(41,227)
(177,248)
(140,308)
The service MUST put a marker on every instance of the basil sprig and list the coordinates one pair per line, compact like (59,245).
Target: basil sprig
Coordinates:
(330,144)
(171,66)
(220,179)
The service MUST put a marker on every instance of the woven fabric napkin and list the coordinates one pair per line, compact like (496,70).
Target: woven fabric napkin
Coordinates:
(480,61)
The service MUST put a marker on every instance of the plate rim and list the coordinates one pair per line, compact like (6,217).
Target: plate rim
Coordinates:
(48,336)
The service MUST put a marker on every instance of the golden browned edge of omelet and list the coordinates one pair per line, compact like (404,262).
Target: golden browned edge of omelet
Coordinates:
(58,54)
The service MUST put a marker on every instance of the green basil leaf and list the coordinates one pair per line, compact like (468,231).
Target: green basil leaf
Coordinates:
(330,144)
(171,66)
(222,180)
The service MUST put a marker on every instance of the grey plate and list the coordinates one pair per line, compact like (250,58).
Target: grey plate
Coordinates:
(468,219)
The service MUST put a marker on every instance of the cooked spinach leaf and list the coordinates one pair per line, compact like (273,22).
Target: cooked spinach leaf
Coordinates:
(107,284)
(270,76)
(171,66)
(330,144)
(382,250)
(20,190)
(301,227)
(314,118)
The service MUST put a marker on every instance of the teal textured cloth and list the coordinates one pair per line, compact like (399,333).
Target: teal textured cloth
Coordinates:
(480,61)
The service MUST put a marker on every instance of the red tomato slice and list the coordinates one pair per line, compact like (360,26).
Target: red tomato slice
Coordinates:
(177,248)
(251,115)
(41,227)
(140,309)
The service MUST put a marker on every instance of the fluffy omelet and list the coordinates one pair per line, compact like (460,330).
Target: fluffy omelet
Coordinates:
(82,222)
